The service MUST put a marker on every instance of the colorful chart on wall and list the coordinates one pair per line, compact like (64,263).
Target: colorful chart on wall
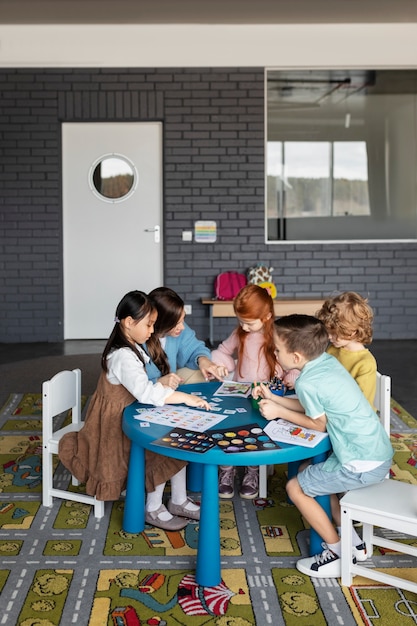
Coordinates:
(248,438)
(205,231)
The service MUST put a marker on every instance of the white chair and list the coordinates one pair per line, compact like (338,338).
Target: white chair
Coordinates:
(60,394)
(382,404)
(264,472)
(390,505)
(382,400)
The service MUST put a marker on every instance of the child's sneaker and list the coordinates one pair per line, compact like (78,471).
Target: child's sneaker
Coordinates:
(360,552)
(249,488)
(324,565)
(226,481)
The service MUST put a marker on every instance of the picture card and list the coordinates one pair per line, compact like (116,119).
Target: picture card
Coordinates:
(179,417)
(234,389)
(248,438)
(184,439)
(281,430)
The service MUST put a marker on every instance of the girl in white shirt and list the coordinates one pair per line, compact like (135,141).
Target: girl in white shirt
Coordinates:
(98,454)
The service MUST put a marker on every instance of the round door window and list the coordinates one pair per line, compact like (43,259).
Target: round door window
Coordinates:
(113,178)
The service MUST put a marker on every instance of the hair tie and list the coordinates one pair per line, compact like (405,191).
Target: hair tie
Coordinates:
(116,320)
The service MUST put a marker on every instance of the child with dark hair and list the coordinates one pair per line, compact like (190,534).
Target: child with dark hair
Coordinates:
(98,454)
(175,351)
(329,399)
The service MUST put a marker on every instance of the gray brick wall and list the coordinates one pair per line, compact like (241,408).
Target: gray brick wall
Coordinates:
(213,169)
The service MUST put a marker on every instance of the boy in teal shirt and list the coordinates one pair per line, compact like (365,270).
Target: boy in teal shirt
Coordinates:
(328,398)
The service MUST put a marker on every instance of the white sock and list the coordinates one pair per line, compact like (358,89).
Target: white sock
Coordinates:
(154,501)
(356,540)
(179,490)
(335,547)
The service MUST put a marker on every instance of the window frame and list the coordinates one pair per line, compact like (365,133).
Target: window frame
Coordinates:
(277,233)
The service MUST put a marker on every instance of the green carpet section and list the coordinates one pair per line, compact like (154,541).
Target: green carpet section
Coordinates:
(398,410)
(298,599)
(70,568)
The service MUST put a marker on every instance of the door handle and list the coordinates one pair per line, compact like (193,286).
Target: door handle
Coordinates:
(156,229)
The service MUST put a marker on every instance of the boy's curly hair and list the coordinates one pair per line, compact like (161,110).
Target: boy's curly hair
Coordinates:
(348,316)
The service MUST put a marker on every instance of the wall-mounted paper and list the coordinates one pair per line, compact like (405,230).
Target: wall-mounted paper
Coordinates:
(205,231)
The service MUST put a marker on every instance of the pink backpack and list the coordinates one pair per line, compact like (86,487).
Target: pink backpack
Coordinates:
(228,284)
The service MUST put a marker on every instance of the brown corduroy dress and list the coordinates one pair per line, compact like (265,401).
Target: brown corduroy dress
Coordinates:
(98,454)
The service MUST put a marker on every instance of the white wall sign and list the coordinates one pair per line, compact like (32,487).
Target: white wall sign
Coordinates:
(205,231)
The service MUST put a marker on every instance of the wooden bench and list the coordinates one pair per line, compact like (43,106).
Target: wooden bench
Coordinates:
(282,306)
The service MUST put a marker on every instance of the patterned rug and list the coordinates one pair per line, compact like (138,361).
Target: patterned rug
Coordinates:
(62,566)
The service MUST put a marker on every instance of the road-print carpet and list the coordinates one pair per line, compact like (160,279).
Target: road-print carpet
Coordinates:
(62,566)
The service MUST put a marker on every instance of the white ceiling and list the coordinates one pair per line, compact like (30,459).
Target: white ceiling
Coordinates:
(206,11)
(280,34)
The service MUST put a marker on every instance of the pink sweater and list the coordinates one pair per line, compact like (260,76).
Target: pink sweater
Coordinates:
(253,367)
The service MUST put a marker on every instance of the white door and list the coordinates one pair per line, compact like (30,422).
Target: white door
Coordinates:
(112,219)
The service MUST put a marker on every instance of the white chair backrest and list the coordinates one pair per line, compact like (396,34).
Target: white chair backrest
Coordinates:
(59,394)
(382,400)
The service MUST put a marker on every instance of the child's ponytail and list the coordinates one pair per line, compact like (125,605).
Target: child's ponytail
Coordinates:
(135,304)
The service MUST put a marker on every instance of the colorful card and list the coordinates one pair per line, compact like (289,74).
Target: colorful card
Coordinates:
(281,430)
(184,439)
(234,389)
(179,417)
(248,438)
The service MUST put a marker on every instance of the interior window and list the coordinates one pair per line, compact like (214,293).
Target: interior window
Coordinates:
(113,178)
(341,152)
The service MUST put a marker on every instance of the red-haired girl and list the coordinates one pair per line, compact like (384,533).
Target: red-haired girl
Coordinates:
(249,354)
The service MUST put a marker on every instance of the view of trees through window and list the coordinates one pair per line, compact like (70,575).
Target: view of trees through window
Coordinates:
(333,185)
(113,177)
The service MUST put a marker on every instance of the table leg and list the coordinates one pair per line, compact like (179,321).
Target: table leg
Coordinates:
(211,325)
(194,477)
(208,552)
(293,468)
(134,511)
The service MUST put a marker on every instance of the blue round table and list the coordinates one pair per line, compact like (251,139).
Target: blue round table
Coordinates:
(208,551)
